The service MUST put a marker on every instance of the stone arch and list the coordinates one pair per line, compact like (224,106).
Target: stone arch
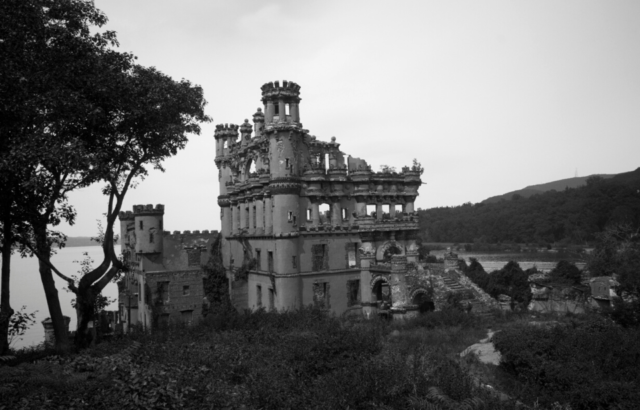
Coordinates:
(383,248)
(380,290)
(422,298)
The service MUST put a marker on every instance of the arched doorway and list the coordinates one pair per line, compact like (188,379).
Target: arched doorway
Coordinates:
(422,299)
(381,291)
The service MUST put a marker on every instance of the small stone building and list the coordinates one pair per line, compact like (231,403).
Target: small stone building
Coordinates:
(165,283)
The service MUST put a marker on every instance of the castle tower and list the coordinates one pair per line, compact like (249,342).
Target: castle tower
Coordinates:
(281,103)
(126,220)
(148,228)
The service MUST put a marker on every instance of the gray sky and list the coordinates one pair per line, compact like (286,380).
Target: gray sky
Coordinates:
(490,96)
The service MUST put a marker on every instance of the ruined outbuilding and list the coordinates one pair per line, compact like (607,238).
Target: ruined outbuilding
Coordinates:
(304,224)
(165,283)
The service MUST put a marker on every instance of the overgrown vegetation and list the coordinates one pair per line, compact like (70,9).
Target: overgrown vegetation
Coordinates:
(590,364)
(511,280)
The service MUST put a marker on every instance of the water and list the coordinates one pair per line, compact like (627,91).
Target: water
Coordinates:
(544,261)
(26,288)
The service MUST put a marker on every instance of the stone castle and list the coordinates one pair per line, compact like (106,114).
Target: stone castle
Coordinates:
(301,224)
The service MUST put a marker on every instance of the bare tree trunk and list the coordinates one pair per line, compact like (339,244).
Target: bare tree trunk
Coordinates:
(50,291)
(5,306)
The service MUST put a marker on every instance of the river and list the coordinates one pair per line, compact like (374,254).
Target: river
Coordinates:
(544,261)
(26,288)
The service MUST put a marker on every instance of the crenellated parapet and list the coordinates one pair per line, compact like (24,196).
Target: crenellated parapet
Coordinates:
(273,91)
(140,210)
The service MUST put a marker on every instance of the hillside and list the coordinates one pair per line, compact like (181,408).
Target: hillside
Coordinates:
(573,215)
(559,185)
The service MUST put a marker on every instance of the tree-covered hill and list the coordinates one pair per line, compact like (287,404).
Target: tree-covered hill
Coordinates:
(559,185)
(572,215)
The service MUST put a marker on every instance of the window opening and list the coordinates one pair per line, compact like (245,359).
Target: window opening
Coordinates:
(308,214)
(353,292)
(254,217)
(385,211)
(321,295)
(259,296)
(325,213)
(187,316)
(371,210)
(270,261)
(344,214)
(272,300)
(352,260)
(258,260)
(398,208)
(163,292)
(276,110)
(286,163)
(287,109)
(294,262)
(289,216)
(150,237)
(141,225)
(320,257)
(185,290)
(193,257)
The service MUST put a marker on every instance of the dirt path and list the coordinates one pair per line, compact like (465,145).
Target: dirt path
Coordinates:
(485,350)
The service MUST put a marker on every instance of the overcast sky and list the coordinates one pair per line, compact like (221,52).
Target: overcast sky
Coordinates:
(490,96)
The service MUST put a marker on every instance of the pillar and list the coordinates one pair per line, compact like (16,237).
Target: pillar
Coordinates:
(397,281)
(295,111)
(227,221)
(268,215)
(336,218)
(270,110)
(368,308)
(361,206)
(282,113)
(250,224)
(392,210)
(408,207)
(378,211)
(242,210)
(234,218)
(259,216)
(315,213)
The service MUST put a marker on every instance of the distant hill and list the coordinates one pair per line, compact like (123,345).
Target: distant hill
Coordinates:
(559,185)
(558,212)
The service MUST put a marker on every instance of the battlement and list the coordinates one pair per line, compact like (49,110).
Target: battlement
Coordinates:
(226,130)
(273,90)
(139,210)
(126,216)
(192,233)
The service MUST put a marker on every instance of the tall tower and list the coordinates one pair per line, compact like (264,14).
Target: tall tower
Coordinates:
(284,132)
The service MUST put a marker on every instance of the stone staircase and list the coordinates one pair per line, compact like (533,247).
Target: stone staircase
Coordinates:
(478,307)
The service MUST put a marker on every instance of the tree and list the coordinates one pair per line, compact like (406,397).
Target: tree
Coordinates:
(566,272)
(80,112)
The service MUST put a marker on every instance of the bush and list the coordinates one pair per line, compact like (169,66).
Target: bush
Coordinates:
(591,364)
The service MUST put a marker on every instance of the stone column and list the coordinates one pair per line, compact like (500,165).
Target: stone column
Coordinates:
(392,210)
(315,213)
(270,110)
(259,216)
(397,281)
(268,215)
(336,217)
(251,226)
(379,211)
(234,218)
(295,111)
(369,308)
(361,206)
(242,215)
(282,111)
(408,207)
(49,334)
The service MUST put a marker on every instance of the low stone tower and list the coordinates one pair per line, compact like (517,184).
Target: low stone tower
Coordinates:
(148,228)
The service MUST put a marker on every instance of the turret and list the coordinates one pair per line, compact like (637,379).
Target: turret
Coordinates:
(245,132)
(126,219)
(281,103)
(148,228)
(258,123)
(225,135)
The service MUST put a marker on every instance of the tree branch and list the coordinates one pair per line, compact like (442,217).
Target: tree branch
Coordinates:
(71,282)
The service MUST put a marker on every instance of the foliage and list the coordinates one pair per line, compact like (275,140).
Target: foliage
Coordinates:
(566,273)
(387,169)
(100,302)
(574,215)
(19,322)
(589,364)
(511,280)
(272,360)
(216,283)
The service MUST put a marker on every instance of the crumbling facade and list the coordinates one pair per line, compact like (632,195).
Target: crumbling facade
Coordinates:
(303,224)
(165,283)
